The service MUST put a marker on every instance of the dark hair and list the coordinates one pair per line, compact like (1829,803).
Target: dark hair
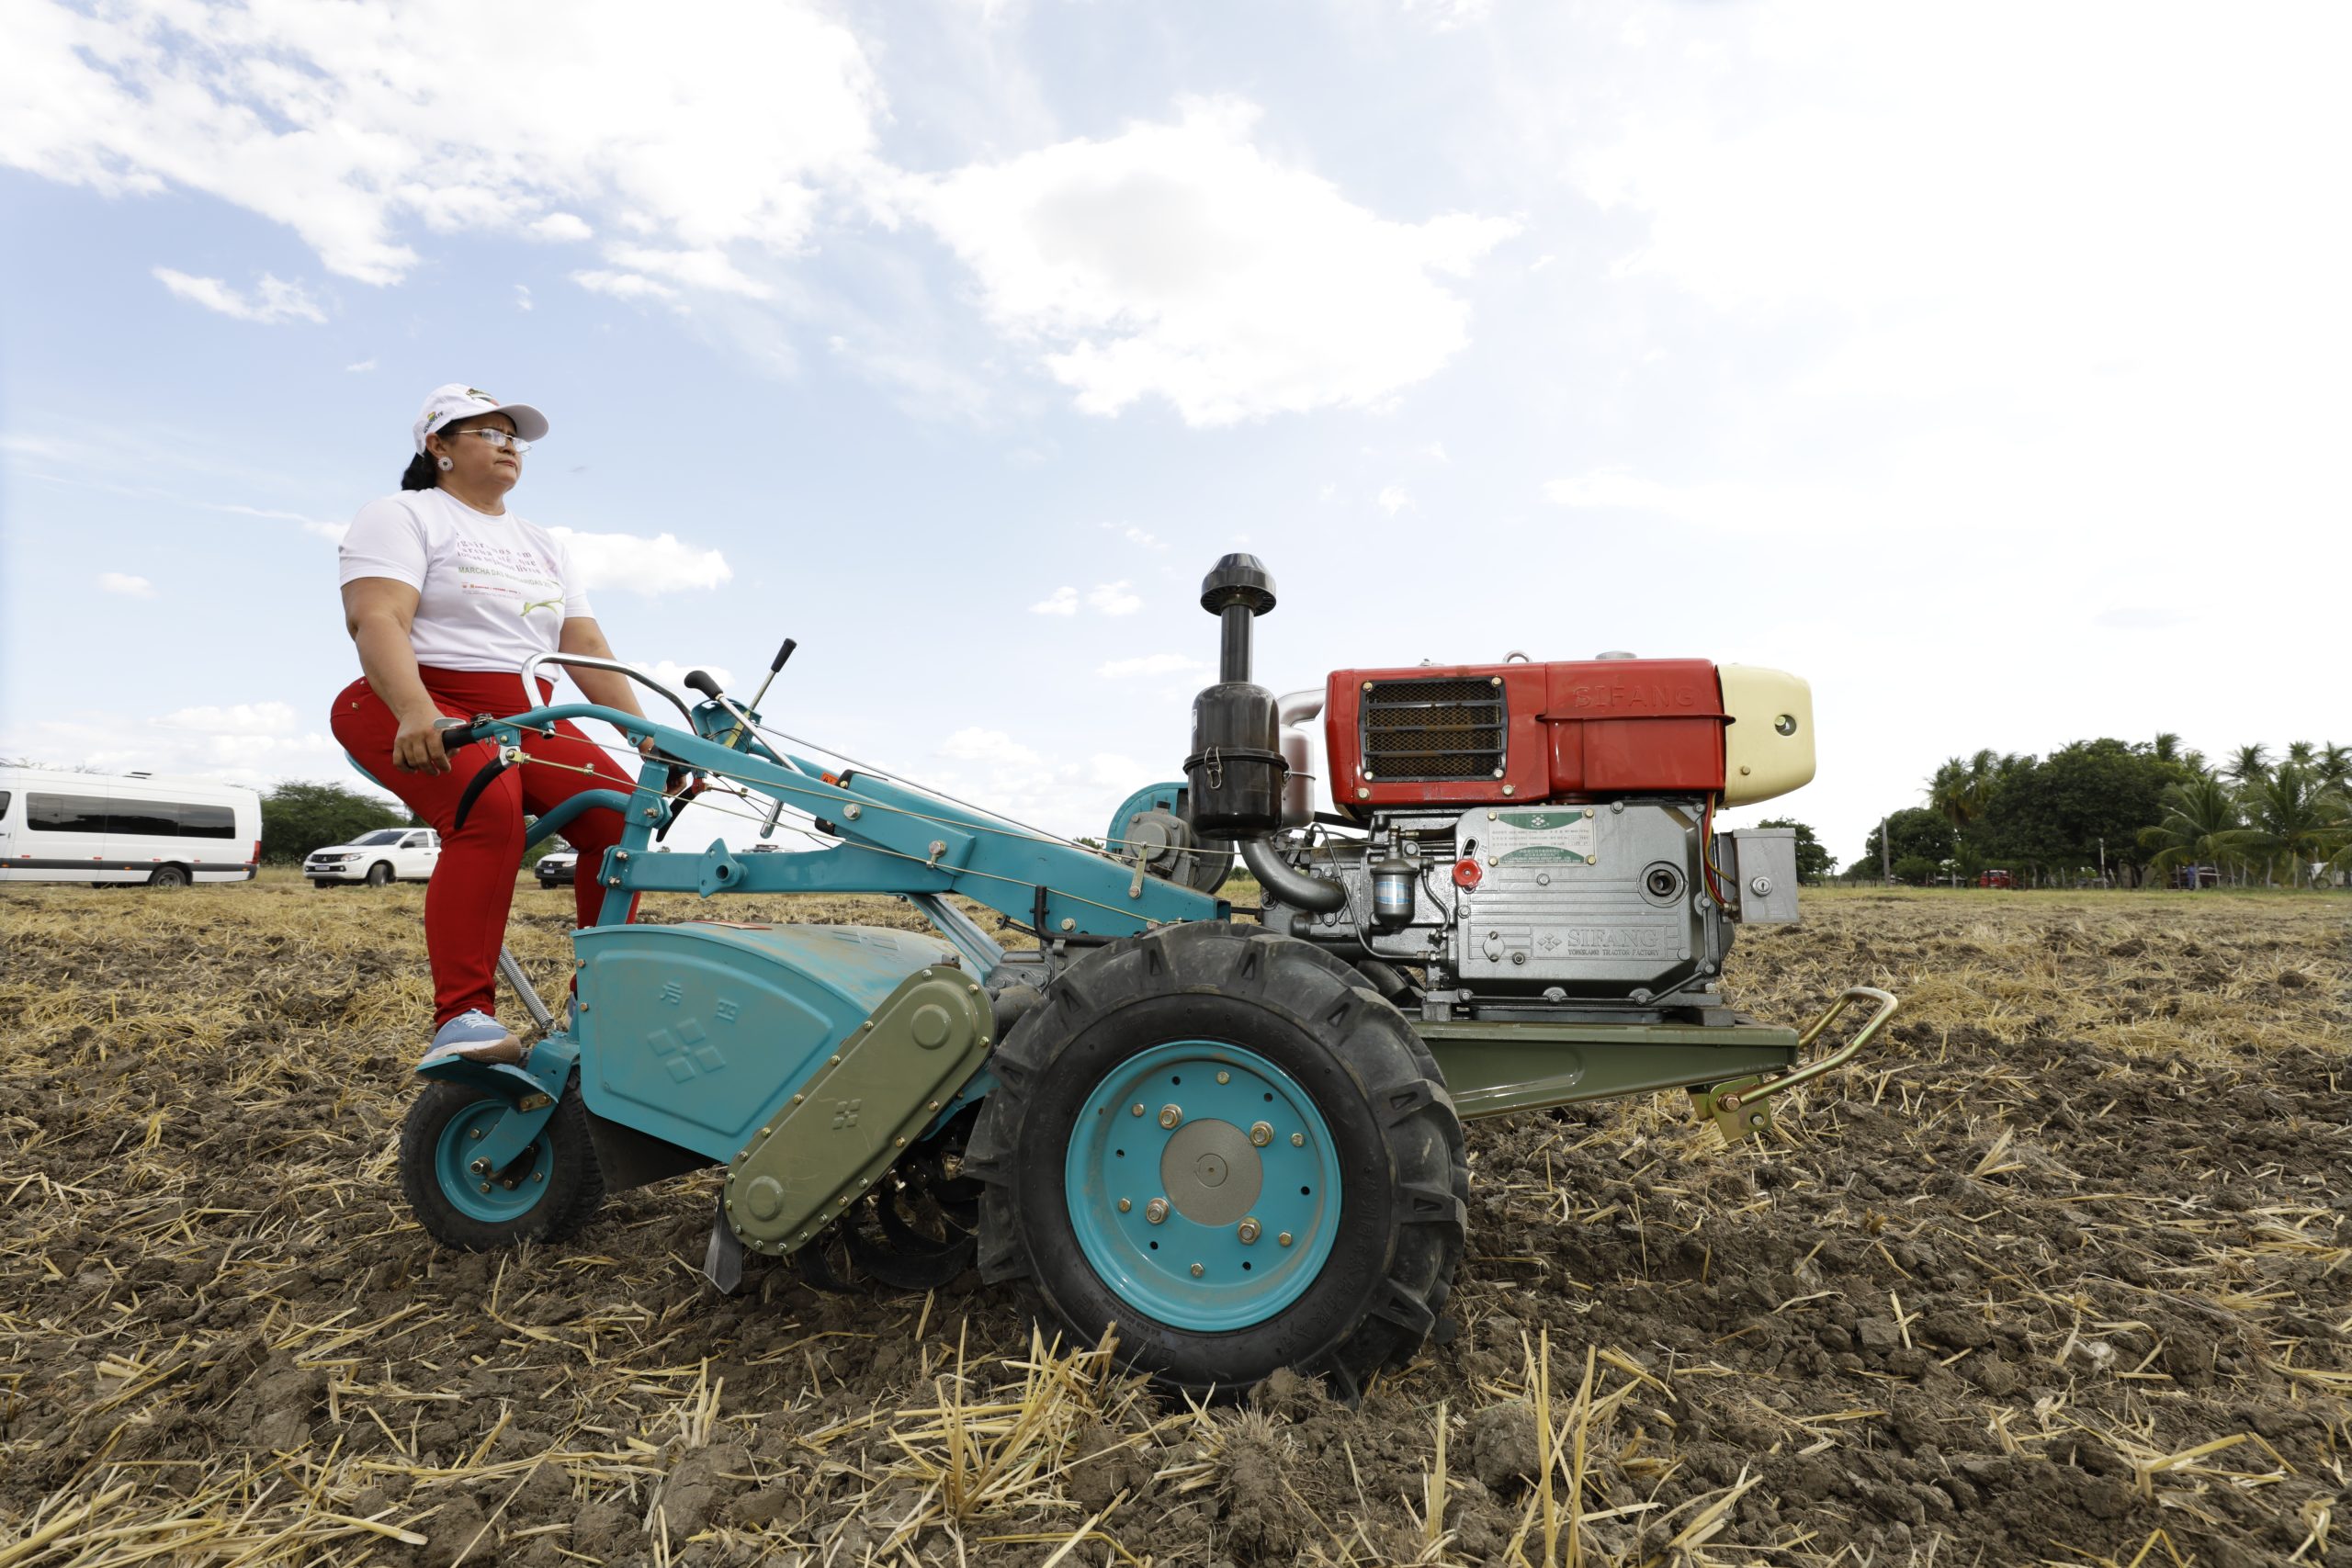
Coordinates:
(423,473)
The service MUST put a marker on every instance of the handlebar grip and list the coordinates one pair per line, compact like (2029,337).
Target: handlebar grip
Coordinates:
(782,654)
(454,732)
(700,681)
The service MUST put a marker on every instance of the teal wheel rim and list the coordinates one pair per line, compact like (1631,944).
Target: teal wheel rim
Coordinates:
(1217,1181)
(452,1156)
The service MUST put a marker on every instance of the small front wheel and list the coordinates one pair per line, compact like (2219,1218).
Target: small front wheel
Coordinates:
(168,876)
(546,1193)
(379,875)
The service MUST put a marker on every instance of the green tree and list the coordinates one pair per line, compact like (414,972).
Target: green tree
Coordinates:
(1813,863)
(2166,747)
(2334,767)
(300,816)
(2202,826)
(1917,870)
(2288,817)
(2301,754)
(1910,833)
(2084,801)
(2247,764)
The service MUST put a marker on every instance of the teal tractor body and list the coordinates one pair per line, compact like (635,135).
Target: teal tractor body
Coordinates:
(1237,1142)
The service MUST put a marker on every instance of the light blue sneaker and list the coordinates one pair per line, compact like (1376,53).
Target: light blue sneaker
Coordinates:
(474,1036)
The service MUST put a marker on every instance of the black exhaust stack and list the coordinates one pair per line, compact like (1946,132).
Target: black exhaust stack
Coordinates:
(1236,769)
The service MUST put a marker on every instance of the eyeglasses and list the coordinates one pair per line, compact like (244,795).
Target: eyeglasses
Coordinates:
(498,437)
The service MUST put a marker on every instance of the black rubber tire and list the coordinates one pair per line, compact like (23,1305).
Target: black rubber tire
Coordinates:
(575,1181)
(1403,1218)
(323,882)
(169,877)
(379,874)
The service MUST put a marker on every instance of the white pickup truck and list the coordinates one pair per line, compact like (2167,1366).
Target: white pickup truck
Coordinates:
(388,854)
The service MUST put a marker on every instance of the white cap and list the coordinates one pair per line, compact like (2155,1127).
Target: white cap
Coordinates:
(457,401)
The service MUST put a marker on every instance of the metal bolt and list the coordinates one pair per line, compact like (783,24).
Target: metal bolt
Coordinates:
(1298,1140)
(1225,1078)
(652,815)
(480,1168)
(1511,789)
(1198,1270)
(1170,1114)
(933,1106)
(1156,1210)
(486,1187)
(898,1143)
(1283,1239)
(1261,1134)
(620,854)
(799,1098)
(1138,1110)
(1126,1204)
(538,1176)
(509,1186)
(1760,886)
(1363,794)
(852,813)
(1068,924)
(476,1133)
(1246,1232)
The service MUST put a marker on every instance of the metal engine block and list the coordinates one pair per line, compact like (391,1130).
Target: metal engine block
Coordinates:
(1529,911)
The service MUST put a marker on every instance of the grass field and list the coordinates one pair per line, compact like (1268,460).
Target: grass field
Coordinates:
(2059,1275)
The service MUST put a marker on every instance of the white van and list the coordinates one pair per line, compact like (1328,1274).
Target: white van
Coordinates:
(94,827)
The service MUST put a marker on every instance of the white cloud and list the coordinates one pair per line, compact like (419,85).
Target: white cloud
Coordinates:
(361,367)
(673,675)
(1149,664)
(1061,602)
(272,302)
(1112,599)
(992,746)
(621,286)
(659,565)
(704,268)
(522,300)
(242,718)
(1394,500)
(1448,15)
(357,126)
(1139,537)
(1180,260)
(122,582)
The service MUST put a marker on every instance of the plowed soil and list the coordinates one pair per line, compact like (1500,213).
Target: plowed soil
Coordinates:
(2058,1275)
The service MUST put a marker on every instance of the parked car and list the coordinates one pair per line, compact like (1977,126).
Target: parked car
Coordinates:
(386,855)
(98,827)
(558,866)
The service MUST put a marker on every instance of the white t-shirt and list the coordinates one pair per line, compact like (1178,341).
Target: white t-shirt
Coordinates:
(491,591)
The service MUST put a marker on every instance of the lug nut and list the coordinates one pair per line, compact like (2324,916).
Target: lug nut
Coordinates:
(486,1187)
(1246,1232)
(1125,1203)
(1138,1109)
(480,1168)
(1198,1270)
(1261,1134)
(1283,1240)
(1225,1078)
(1170,1114)
(1298,1140)
(1156,1210)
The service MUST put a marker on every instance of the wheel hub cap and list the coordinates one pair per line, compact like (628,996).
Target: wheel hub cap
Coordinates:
(1210,1172)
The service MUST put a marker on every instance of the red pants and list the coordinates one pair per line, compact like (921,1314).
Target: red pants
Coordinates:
(473,882)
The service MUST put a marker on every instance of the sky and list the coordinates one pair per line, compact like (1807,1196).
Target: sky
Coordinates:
(1984,366)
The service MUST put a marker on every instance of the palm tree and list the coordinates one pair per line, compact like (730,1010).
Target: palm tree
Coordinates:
(2290,816)
(2299,753)
(2334,767)
(2249,765)
(2167,747)
(2202,826)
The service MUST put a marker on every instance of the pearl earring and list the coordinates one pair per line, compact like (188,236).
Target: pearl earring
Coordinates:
(446,465)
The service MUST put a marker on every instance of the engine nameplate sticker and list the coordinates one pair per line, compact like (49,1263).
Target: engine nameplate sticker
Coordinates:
(1556,836)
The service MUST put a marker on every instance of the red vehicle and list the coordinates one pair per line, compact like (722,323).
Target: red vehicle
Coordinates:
(1994,879)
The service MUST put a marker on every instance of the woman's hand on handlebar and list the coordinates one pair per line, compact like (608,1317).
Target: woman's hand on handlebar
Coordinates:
(417,747)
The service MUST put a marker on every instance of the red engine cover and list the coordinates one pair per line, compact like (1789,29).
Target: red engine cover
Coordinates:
(1475,734)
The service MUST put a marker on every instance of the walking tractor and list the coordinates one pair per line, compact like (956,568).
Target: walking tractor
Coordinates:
(1237,1145)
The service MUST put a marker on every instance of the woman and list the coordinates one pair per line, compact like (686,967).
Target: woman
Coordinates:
(447,592)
